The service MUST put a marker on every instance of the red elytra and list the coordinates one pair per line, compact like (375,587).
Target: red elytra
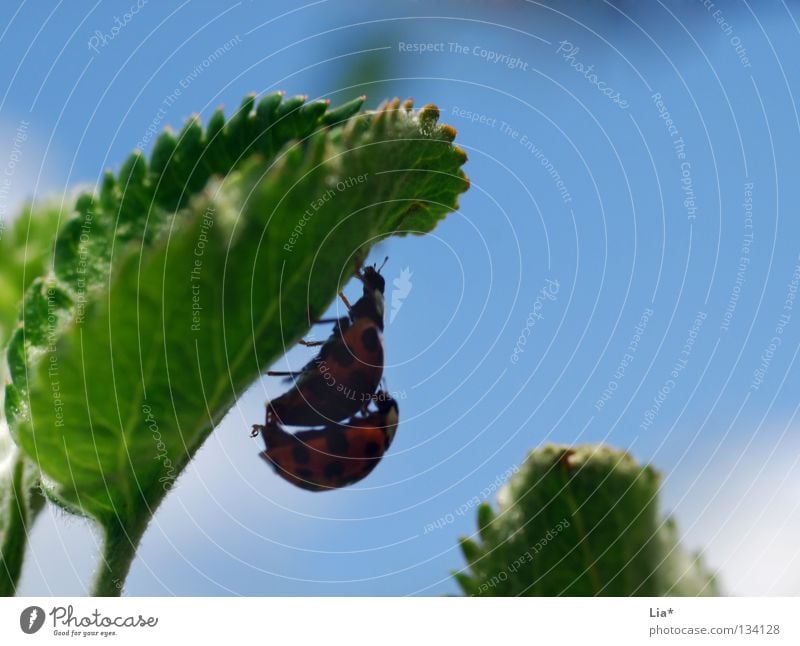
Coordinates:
(346,372)
(334,456)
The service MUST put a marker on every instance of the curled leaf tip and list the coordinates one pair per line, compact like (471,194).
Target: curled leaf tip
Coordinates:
(448,131)
(429,115)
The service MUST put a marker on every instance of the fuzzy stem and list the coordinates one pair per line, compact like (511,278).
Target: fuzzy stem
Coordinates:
(23,505)
(119,549)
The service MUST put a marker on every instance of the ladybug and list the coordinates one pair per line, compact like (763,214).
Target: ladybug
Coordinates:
(346,372)
(334,456)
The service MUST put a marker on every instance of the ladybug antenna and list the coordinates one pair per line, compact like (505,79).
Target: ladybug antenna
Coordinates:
(383,264)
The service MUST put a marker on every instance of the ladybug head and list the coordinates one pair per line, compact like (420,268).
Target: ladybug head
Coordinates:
(385,403)
(371,304)
(373,280)
(388,409)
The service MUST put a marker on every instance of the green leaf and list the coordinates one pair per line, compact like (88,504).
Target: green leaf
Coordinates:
(173,302)
(580,521)
(26,246)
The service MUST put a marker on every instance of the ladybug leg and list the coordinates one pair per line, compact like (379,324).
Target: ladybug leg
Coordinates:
(311,344)
(345,301)
(283,373)
(341,323)
(257,428)
(316,321)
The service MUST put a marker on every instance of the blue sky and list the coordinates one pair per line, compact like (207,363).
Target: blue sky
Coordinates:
(579,187)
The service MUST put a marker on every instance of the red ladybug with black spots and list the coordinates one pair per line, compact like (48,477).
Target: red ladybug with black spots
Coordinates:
(334,456)
(346,372)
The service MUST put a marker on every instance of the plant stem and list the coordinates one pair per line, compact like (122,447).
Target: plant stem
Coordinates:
(119,549)
(23,503)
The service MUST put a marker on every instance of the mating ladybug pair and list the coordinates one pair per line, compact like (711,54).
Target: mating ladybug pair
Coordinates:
(337,384)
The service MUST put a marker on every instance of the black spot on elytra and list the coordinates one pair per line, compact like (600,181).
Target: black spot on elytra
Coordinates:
(337,443)
(370,339)
(301,454)
(371,449)
(361,384)
(304,474)
(333,470)
(342,355)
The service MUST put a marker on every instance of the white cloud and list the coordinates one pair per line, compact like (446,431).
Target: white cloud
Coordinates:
(748,524)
